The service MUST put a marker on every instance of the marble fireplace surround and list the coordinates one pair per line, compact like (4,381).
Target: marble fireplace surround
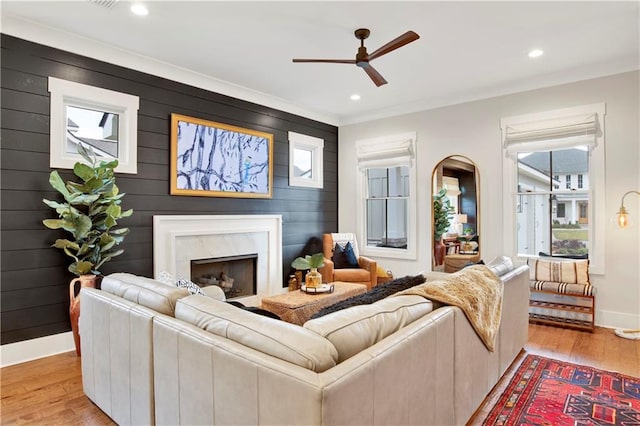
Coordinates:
(177,239)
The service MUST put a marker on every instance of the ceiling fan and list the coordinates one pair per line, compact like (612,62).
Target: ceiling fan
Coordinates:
(363,59)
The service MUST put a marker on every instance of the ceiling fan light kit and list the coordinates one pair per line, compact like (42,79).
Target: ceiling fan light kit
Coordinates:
(363,59)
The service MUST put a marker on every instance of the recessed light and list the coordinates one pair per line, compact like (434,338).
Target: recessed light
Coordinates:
(535,53)
(355,97)
(139,9)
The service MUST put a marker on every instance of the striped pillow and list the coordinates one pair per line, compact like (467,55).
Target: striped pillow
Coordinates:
(567,271)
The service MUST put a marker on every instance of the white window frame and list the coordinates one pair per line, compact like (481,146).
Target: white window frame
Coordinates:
(384,152)
(597,208)
(316,146)
(68,93)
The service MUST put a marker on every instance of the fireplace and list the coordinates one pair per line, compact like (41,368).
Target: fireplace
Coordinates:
(235,275)
(179,240)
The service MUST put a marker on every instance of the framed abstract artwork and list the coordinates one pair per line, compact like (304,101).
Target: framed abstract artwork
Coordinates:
(210,159)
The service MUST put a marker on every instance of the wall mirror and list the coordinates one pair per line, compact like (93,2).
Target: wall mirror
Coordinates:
(455,213)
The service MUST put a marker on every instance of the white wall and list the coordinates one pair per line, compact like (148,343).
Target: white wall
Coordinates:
(473,130)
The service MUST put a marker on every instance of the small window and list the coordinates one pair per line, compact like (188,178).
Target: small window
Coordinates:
(104,120)
(568,182)
(580,183)
(305,160)
(560,210)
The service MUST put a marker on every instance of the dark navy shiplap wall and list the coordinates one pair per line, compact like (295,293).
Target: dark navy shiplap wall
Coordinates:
(34,276)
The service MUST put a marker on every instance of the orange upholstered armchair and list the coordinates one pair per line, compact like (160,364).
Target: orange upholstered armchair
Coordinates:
(364,273)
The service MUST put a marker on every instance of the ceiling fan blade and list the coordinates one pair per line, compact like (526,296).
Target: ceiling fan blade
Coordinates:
(374,75)
(329,61)
(405,38)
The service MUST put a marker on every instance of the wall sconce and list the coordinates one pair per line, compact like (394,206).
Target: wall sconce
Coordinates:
(623,221)
(622,216)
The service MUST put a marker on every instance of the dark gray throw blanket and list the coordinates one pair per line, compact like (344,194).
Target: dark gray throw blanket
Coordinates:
(373,295)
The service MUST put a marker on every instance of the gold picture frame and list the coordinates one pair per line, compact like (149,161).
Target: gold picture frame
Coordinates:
(210,159)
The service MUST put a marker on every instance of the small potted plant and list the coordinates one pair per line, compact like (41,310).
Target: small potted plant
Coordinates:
(90,212)
(442,214)
(310,263)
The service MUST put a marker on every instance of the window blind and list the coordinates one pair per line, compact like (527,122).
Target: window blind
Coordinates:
(551,134)
(381,153)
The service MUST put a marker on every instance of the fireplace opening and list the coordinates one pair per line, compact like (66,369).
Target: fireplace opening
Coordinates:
(235,275)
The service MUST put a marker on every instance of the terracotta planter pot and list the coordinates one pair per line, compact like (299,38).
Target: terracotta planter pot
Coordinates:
(92,281)
(439,251)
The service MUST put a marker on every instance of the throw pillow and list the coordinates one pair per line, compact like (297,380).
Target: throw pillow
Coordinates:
(344,257)
(192,287)
(373,295)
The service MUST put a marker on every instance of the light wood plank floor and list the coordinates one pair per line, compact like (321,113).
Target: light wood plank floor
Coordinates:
(49,391)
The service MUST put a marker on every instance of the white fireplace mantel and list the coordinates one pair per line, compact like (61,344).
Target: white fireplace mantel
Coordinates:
(178,238)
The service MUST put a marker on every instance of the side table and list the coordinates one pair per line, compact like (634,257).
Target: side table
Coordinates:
(297,306)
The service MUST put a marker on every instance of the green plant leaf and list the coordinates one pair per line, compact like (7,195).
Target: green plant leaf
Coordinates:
(316,260)
(54,223)
(62,243)
(114,211)
(83,199)
(301,264)
(83,171)
(82,226)
(121,231)
(126,213)
(57,183)
(81,268)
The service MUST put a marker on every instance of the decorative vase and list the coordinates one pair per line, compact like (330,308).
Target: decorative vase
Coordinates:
(293,284)
(298,275)
(439,251)
(313,278)
(89,280)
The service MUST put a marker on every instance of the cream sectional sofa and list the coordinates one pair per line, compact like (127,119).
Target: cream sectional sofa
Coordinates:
(154,354)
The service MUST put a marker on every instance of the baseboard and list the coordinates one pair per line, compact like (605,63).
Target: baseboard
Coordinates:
(28,350)
(613,319)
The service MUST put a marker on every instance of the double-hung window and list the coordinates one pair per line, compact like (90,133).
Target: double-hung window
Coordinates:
(387,210)
(546,217)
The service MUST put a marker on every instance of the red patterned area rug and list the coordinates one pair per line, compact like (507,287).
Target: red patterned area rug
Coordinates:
(545,391)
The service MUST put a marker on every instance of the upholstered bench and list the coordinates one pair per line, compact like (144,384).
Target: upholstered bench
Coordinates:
(561,293)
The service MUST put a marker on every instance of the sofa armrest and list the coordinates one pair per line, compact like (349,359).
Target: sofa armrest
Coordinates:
(372,267)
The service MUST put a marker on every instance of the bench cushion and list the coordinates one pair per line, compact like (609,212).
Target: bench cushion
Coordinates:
(567,271)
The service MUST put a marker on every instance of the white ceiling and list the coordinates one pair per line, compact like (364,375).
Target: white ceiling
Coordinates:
(466,50)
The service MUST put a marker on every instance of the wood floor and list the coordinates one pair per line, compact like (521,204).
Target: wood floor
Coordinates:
(49,391)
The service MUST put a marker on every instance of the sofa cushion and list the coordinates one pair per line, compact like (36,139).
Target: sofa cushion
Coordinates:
(373,295)
(191,287)
(144,291)
(500,265)
(344,257)
(355,329)
(276,338)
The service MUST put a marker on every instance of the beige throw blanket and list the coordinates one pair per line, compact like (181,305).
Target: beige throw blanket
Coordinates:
(477,291)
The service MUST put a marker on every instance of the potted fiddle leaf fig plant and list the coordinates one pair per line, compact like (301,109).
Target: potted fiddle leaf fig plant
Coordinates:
(442,214)
(90,213)
(310,263)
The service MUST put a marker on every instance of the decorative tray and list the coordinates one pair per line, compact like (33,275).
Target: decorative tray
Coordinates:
(322,288)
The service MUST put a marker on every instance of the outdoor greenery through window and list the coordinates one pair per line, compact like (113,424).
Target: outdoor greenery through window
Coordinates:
(552,202)
(387,206)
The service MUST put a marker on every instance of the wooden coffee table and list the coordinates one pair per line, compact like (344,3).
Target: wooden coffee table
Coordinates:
(297,306)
